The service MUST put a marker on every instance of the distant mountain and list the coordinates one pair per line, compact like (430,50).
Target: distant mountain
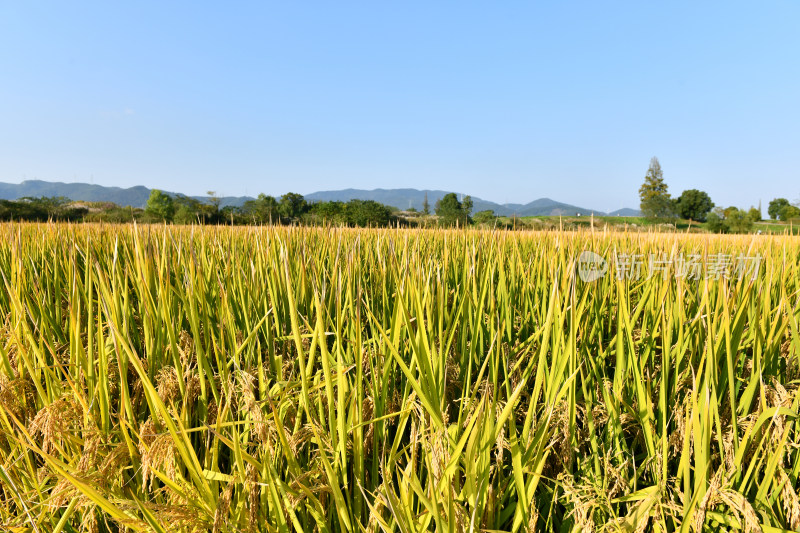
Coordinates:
(236,201)
(546,206)
(408,198)
(625,212)
(399,198)
(133,196)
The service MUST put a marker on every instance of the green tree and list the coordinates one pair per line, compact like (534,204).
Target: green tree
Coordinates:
(754,214)
(210,212)
(653,194)
(44,208)
(293,205)
(466,208)
(160,205)
(187,210)
(214,200)
(738,221)
(185,215)
(328,213)
(268,207)
(788,212)
(775,207)
(693,205)
(261,210)
(426,207)
(485,218)
(231,214)
(367,213)
(715,224)
(448,209)
(728,211)
(54,206)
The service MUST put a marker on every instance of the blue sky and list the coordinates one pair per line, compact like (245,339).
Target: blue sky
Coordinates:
(509,101)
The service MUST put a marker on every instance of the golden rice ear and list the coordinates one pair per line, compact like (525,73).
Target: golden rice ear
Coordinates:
(17,397)
(167,384)
(221,512)
(110,472)
(90,458)
(192,386)
(247,399)
(158,452)
(253,498)
(55,422)
(790,500)
(91,522)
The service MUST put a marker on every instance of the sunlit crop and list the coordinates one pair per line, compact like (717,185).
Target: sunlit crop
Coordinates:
(297,379)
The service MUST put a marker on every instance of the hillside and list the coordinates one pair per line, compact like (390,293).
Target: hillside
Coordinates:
(626,212)
(130,197)
(408,198)
(400,198)
(134,196)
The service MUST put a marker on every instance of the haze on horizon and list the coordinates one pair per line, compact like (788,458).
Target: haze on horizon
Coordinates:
(508,102)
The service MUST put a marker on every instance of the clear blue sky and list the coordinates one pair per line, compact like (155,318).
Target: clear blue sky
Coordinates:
(508,101)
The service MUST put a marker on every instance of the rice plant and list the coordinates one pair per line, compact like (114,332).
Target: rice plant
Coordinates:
(323,379)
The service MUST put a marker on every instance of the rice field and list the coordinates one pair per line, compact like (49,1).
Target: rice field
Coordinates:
(307,379)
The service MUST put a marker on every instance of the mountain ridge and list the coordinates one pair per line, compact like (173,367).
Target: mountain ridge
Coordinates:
(401,198)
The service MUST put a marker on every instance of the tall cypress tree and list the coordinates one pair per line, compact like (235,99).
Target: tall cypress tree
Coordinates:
(653,194)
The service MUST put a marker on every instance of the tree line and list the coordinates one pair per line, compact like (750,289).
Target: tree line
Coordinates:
(293,208)
(42,209)
(290,208)
(697,206)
